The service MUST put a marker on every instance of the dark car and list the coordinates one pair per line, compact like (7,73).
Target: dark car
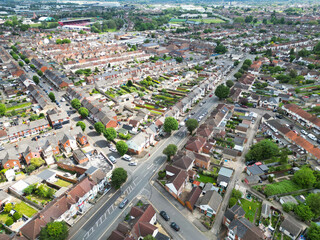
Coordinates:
(250,163)
(123,203)
(318,140)
(90,127)
(175,226)
(279,116)
(164,215)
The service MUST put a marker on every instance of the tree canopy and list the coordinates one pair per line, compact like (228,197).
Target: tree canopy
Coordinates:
(313,232)
(264,149)
(36,79)
(3,109)
(83,112)
(54,231)
(304,177)
(229,83)
(110,134)
(82,125)
(122,147)
(304,212)
(170,150)
(75,103)
(99,127)
(52,96)
(222,91)
(191,124)
(170,124)
(313,201)
(119,176)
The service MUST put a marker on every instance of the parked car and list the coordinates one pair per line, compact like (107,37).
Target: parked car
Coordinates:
(164,215)
(192,113)
(312,137)
(279,116)
(303,132)
(123,203)
(237,105)
(210,95)
(244,106)
(133,164)
(127,157)
(112,159)
(318,140)
(90,127)
(175,226)
(113,149)
(67,104)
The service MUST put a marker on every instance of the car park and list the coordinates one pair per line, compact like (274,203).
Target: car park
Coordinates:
(123,203)
(164,215)
(127,157)
(175,226)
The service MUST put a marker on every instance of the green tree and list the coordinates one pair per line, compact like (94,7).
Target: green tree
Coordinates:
(170,124)
(264,149)
(110,134)
(8,207)
(21,64)
(37,162)
(248,19)
(122,147)
(36,79)
(232,202)
(287,207)
(16,216)
(40,73)
(9,221)
(82,125)
(316,48)
(313,201)
(191,124)
(149,237)
(220,49)
(238,75)
(99,127)
(118,177)
(236,194)
(304,212)
(26,60)
(304,177)
(75,103)
(129,83)
(222,91)
(313,232)
(54,231)
(229,83)
(52,96)
(84,113)
(3,109)
(170,150)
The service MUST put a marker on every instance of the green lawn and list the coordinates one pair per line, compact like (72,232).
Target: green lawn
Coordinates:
(250,207)
(281,187)
(205,179)
(208,20)
(22,105)
(25,209)
(4,217)
(62,183)
(155,112)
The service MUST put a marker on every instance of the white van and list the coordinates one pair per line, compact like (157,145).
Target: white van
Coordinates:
(312,137)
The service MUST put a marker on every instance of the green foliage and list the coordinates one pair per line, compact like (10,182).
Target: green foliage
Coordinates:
(29,190)
(170,124)
(304,212)
(75,103)
(124,137)
(229,83)
(281,187)
(313,232)
(222,91)
(3,109)
(232,202)
(52,96)
(220,49)
(313,201)
(99,127)
(170,150)
(129,83)
(119,176)
(82,125)
(54,231)
(9,221)
(36,79)
(8,207)
(122,147)
(84,113)
(37,162)
(63,41)
(110,134)
(262,150)
(191,124)
(236,194)
(287,207)
(40,73)
(161,174)
(304,177)
(21,64)
(149,237)
(16,216)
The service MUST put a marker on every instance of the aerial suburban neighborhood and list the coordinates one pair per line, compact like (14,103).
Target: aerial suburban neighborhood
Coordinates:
(159,120)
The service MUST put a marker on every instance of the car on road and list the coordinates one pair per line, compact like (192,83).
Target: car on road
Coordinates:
(67,104)
(210,95)
(133,164)
(303,132)
(112,159)
(51,89)
(279,116)
(113,149)
(123,203)
(237,105)
(91,128)
(204,102)
(192,113)
(164,215)
(127,157)
(175,226)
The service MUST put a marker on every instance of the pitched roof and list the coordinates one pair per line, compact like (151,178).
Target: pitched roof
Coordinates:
(291,227)
(211,198)
(194,195)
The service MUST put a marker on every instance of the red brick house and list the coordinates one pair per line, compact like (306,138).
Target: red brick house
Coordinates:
(82,140)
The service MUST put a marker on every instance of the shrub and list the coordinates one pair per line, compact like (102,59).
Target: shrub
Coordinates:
(16,216)
(9,222)
(161,174)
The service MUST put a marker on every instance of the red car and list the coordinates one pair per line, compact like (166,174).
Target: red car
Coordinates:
(210,95)
(244,106)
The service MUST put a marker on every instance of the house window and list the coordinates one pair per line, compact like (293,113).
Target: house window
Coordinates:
(15,163)
(8,165)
